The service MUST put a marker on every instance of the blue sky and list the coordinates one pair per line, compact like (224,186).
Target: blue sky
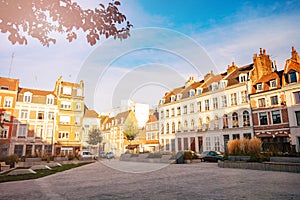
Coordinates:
(225,30)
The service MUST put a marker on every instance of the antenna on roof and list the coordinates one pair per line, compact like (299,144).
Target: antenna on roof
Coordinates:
(11,61)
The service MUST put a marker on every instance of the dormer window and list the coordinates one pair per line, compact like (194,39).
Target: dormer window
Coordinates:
(172,98)
(67,90)
(243,78)
(292,77)
(50,100)
(215,86)
(199,91)
(179,96)
(27,97)
(273,83)
(4,88)
(191,93)
(223,83)
(162,101)
(259,87)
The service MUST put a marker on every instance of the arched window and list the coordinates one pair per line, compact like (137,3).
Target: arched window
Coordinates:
(185,125)
(235,120)
(192,124)
(173,127)
(225,121)
(167,128)
(246,118)
(179,126)
(207,123)
(216,122)
(199,124)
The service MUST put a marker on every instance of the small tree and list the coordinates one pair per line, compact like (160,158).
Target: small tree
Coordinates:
(95,138)
(130,132)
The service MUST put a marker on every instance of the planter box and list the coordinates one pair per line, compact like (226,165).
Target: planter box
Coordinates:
(33,159)
(239,158)
(285,159)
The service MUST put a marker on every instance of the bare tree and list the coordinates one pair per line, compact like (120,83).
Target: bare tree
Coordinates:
(130,132)
(95,138)
(39,19)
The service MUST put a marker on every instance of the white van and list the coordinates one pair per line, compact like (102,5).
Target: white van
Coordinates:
(87,154)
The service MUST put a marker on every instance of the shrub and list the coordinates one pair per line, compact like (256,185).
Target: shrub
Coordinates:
(244,147)
(234,147)
(187,155)
(10,160)
(255,148)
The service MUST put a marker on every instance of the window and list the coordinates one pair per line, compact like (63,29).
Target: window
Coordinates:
(199,124)
(263,118)
(235,120)
(40,115)
(78,106)
(274,100)
(217,143)
(8,102)
(49,132)
(77,121)
(185,125)
(191,93)
(246,118)
(233,99)
(4,132)
(216,122)
(276,117)
(173,112)
(199,91)
(243,78)
(172,98)
(178,110)
(273,83)
(22,130)
(179,96)
(79,92)
(39,131)
(208,145)
(65,105)
(214,86)
(224,101)
(244,96)
(167,113)
(206,102)
(67,90)
(225,121)
(173,127)
(297,97)
(162,101)
(50,115)
(179,126)
(215,103)
(50,100)
(27,97)
(167,128)
(235,136)
(24,114)
(261,102)
(247,135)
(223,83)
(207,123)
(63,135)
(161,114)
(298,117)
(64,119)
(192,124)
(184,109)
(76,135)
(292,77)
(4,88)
(6,116)
(259,87)
(199,106)
(191,108)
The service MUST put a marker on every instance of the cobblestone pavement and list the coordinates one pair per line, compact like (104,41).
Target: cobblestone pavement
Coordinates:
(188,181)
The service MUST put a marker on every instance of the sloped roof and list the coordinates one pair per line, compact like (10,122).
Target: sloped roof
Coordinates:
(12,84)
(91,114)
(36,92)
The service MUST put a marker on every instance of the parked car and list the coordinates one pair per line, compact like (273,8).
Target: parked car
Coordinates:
(110,155)
(87,154)
(102,154)
(211,156)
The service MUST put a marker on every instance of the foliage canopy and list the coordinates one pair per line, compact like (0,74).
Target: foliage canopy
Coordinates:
(41,19)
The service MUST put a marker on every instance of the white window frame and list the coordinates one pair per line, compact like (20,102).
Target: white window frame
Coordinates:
(66,105)
(272,82)
(259,87)
(67,90)
(27,97)
(63,135)
(24,114)
(50,100)
(8,102)
(64,119)
(22,130)
(4,132)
